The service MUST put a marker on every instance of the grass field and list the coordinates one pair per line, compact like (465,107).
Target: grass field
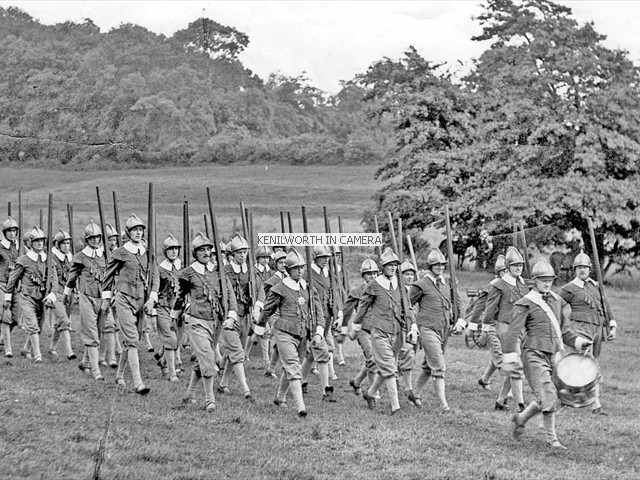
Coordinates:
(55,420)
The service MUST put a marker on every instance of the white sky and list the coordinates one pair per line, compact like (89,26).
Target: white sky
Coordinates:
(332,40)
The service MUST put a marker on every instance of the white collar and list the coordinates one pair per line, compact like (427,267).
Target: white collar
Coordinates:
(7,244)
(293,285)
(580,283)
(324,271)
(387,283)
(93,252)
(199,267)
(434,279)
(238,268)
(135,249)
(168,265)
(281,275)
(34,256)
(511,280)
(536,296)
(263,268)
(61,256)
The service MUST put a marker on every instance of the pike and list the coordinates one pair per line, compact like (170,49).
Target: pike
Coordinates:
(220,267)
(253,282)
(600,277)
(452,271)
(282,227)
(404,297)
(413,256)
(41,219)
(20,247)
(151,237)
(290,222)
(107,253)
(313,319)
(9,209)
(48,270)
(250,260)
(526,251)
(116,214)
(186,241)
(70,219)
(343,274)
(206,226)
(377,230)
(333,270)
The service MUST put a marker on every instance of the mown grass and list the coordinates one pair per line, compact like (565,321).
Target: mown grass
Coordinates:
(54,419)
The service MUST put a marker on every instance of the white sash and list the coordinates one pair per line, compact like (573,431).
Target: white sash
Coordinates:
(536,298)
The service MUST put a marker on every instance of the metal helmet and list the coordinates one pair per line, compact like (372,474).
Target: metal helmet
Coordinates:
(294,259)
(436,257)
(134,221)
(407,266)
(582,260)
(337,250)
(279,256)
(9,223)
(369,266)
(389,257)
(263,251)
(542,269)
(170,242)
(36,234)
(500,265)
(320,251)
(514,257)
(237,243)
(111,232)
(61,236)
(92,230)
(199,241)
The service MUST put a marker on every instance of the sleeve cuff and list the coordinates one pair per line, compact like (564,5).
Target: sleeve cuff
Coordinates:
(512,357)
(67,291)
(106,295)
(486,327)
(320,331)
(344,330)
(7,297)
(51,297)
(259,304)
(154,296)
(461,323)
(473,326)
(232,314)
(613,324)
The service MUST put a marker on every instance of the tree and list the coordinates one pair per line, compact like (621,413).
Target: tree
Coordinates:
(213,38)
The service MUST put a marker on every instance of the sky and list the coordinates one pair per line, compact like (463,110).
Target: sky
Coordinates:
(334,40)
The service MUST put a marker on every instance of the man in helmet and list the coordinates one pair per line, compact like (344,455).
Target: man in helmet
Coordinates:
(543,317)
(30,272)
(168,271)
(361,332)
(263,273)
(380,304)
(113,240)
(502,296)
(291,299)
(62,258)
(477,317)
(407,353)
(112,237)
(135,280)
(433,322)
(204,314)
(321,350)
(8,256)
(279,262)
(587,312)
(96,320)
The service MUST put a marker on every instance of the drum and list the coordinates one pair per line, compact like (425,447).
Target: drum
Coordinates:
(575,377)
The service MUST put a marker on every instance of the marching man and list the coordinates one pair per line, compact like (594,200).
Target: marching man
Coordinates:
(135,280)
(204,315)
(8,255)
(542,316)
(587,312)
(30,271)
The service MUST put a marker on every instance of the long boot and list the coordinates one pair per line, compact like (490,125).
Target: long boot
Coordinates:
(6,333)
(65,336)
(296,391)
(35,346)
(392,391)
(134,366)
(92,352)
(170,357)
(238,369)
(209,398)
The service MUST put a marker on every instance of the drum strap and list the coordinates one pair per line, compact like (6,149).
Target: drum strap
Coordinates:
(536,298)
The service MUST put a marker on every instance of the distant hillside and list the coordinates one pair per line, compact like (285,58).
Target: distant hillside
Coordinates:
(71,95)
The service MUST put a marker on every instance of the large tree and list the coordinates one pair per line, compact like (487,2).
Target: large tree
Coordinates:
(553,132)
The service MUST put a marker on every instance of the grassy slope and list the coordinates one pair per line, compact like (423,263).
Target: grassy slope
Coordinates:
(53,417)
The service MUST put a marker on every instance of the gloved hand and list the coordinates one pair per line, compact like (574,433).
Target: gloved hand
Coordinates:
(412,336)
(473,326)
(582,343)
(255,314)
(337,324)
(104,305)
(353,330)
(318,336)
(613,327)
(229,323)
(259,330)
(459,327)
(49,300)
(148,306)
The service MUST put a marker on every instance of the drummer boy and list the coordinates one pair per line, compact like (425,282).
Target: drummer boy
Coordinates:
(543,316)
